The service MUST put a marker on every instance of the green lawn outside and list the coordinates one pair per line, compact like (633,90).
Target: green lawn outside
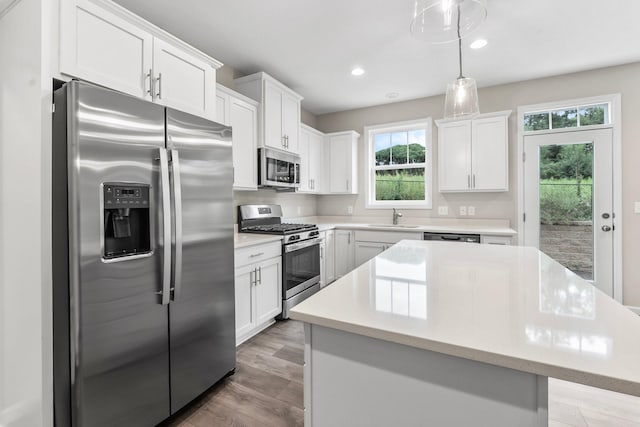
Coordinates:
(563,201)
(400,185)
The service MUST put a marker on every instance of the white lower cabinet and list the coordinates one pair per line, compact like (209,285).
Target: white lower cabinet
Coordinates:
(372,243)
(496,240)
(368,250)
(258,288)
(327,258)
(344,252)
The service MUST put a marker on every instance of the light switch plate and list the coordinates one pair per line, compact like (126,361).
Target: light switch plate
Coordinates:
(471,210)
(443,210)
(463,210)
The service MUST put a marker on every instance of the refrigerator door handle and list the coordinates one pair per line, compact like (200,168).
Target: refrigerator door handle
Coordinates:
(166,229)
(177,195)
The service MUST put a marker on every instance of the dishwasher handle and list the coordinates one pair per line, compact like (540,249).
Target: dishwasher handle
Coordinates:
(452,237)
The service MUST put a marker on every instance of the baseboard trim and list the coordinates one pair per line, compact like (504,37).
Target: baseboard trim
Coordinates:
(636,310)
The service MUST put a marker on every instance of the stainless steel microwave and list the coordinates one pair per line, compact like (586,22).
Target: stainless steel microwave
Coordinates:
(278,169)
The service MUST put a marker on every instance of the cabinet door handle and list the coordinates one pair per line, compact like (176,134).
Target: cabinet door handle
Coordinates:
(150,91)
(252,273)
(347,185)
(474,180)
(468,181)
(349,238)
(256,255)
(159,81)
(259,275)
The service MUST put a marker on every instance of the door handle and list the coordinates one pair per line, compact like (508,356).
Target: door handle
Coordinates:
(177,195)
(166,233)
(259,275)
(474,180)
(468,181)
(252,273)
(606,228)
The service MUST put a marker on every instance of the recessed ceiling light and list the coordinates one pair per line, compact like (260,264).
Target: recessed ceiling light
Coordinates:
(478,44)
(357,71)
(392,95)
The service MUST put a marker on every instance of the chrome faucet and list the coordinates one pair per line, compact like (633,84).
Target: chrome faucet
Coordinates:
(396,215)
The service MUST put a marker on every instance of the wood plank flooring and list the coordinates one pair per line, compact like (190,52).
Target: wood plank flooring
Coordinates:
(266,391)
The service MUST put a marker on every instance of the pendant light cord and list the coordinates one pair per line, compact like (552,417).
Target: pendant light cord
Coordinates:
(459,44)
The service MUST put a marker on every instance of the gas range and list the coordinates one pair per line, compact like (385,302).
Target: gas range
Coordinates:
(266,219)
(300,251)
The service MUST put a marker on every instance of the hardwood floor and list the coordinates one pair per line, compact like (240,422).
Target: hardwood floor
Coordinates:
(266,390)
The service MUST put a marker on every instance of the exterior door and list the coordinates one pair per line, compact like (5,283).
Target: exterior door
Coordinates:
(118,333)
(201,313)
(569,201)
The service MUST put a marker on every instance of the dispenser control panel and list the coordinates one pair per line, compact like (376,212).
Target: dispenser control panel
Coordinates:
(126,196)
(126,220)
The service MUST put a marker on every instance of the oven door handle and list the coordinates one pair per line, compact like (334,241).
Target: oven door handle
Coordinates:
(305,244)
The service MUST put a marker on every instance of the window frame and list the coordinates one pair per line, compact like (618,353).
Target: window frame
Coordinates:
(370,167)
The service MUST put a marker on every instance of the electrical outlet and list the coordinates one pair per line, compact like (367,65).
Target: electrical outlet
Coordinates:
(350,210)
(443,210)
(636,207)
(471,210)
(463,210)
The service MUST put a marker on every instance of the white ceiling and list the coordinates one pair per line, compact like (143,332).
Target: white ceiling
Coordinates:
(311,45)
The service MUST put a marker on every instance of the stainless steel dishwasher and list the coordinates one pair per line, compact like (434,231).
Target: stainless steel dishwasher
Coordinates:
(452,237)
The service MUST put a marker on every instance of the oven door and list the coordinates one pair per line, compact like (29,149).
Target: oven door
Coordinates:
(301,268)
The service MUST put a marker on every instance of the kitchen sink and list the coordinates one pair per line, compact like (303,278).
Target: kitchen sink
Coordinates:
(392,225)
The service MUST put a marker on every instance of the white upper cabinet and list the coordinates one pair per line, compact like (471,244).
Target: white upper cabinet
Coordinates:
(241,113)
(311,160)
(473,155)
(104,43)
(341,169)
(183,81)
(279,111)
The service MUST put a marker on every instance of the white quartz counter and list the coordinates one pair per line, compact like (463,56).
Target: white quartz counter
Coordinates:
(504,305)
(484,227)
(242,240)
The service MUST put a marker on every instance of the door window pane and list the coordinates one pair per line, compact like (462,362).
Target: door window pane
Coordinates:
(594,115)
(564,118)
(536,121)
(566,206)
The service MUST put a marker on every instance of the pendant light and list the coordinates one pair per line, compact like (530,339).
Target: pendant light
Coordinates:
(443,21)
(461,98)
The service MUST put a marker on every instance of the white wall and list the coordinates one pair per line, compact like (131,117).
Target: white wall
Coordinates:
(293,205)
(25,226)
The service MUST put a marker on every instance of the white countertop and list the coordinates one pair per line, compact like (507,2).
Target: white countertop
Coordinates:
(504,305)
(438,225)
(242,240)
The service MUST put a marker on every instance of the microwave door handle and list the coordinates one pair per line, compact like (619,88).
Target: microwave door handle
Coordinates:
(177,195)
(166,229)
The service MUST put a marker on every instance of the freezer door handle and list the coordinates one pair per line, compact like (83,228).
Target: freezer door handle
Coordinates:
(166,229)
(177,195)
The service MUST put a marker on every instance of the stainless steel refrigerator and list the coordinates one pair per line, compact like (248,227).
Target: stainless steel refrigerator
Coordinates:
(143,258)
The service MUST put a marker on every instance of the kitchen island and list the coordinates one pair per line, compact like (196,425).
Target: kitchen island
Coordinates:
(434,333)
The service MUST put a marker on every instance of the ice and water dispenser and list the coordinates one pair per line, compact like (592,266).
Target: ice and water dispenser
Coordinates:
(127,230)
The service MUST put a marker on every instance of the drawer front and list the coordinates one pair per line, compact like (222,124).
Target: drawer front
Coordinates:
(386,236)
(496,240)
(257,253)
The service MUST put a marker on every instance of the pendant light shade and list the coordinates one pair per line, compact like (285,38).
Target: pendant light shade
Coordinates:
(461,99)
(443,21)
